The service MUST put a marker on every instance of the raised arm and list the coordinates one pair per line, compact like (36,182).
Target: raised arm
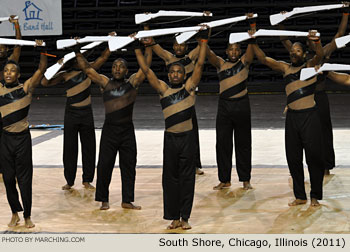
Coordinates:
(139,77)
(17,49)
(193,81)
(248,57)
(34,81)
(159,86)
(284,39)
(340,78)
(101,60)
(331,47)
(279,66)
(161,53)
(58,78)
(99,79)
(318,49)
(213,59)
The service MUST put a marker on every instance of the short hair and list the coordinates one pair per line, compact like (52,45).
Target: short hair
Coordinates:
(302,46)
(177,64)
(122,60)
(14,63)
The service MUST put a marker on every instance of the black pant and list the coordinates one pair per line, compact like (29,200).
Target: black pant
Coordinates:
(303,131)
(178,177)
(234,117)
(116,138)
(197,156)
(79,120)
(16,159)
(322,102)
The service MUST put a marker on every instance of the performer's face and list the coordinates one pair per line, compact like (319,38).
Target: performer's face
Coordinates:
(119,70)
(3,51)
(180,49)
(11,73)
(297,54)
(233,52)
(176,74)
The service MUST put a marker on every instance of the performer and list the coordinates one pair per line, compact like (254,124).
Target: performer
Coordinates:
(188,60)
(78,119)
(177,100)
(16,147)
(321,97)
(118,132)
(303,127)
(233,114)
(4,57)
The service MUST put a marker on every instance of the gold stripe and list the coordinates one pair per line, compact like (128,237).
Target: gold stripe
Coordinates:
(178,107)
(120,102)
(4,90)
(18,126)
(233,80)
(240,94)
(83,103)
(171,91)
(181,127)
(15,106)
(295,85)
(79,88)
(303,103)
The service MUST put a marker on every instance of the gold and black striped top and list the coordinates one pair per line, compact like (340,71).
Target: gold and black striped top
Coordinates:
(119,99)
(300,94)
(14,108)
(233,79)
(187,61)
(177,105)
(78,89)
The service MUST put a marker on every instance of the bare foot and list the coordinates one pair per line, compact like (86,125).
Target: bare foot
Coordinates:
(314,202)
(174,224)
(297,202)
(199,171)
(222,186)
(87,185)
(185,225)
(247,185)
(66,187)
(28,223)
(104,206)
(130,206)
(14,220)
(327,172)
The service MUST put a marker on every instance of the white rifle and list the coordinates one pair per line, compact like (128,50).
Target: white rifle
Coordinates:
(309,72)
(278,18)
(7,18)
(64,43)
(5,41)
(118,42)
(183,37)
(242,36)
(144,17)
(342,41)
(52,70)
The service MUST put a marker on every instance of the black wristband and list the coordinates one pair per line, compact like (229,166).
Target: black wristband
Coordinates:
(346,10)
(136,44)
(252,41)
(204,34)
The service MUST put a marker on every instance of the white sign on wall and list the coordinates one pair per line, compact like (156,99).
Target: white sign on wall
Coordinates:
(36,17)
